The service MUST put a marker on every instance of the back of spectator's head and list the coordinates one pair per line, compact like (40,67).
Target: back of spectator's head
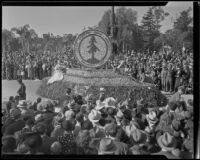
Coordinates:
(79,117)
(56,148)
(39,99)
(11,98)
(17,98)
(127,115)
(30,122)
(15,113)
(190,102)
(172,106)
(33,141)
(40,128)
(83,138)
(68,91)
(111,129)
(8,144)
(19,80)
(86,125)
(68,125)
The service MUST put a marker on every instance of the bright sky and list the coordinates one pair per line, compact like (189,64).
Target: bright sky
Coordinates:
(65,20)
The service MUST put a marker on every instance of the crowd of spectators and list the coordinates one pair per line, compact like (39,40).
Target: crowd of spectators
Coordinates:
(168,71)
(84,126)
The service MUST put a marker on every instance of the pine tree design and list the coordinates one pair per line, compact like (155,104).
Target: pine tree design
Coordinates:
(92,49)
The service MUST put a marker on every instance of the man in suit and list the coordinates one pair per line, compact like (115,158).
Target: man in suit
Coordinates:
(22,90)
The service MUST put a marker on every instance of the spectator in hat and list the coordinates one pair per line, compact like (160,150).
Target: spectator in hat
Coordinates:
(33,141)
(22,90)
(108,146)
(79,120)
(178,81)
(9,104)
(16,124)
(67,140)
(23,106)
(86,125)
(47,141)
(34,106)
(8,144)
(167,144)
(58,129)
(83,144)
(116,133)
(163,77)
(177,96)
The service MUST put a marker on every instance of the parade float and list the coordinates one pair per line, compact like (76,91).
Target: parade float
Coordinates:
(92,50)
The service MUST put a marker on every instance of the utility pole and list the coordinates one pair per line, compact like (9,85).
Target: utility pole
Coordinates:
(113,31)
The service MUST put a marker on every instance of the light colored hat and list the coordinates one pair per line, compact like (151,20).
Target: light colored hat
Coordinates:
(107,146)
(14,112)
(94,116)
(69,115)
(110,102)
(138,135)
(22,104)
(167,142)
(39,117)
(99,105)
(102,89)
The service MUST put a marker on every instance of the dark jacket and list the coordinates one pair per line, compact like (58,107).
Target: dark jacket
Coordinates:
(46,144)
(22,92)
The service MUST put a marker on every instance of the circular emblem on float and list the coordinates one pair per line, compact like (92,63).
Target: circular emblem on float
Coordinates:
(92,48)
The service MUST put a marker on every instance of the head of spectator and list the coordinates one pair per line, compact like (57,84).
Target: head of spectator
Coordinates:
(86,125)
(94,116)
(68,91)
(106,147)
(56,148)
(181,90)
(83,139)
(68,125)
(138,136)
(69,115)
(8,144)
(172,106)
(79,117)
(167,142)
(111,130)
(20,81)
(33,141)
(39,99)
(15,113)
(17,98)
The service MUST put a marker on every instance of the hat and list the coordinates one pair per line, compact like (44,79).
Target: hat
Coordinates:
(86,125)
(181,88)
(167,142)
(68,125)
(56,147)
(138,136)
(39,117)
(176,125)
(107,146)
(89,97)
(119,114)
(83,137)
(152,117)
(177,153)
(111,129)
(127,114)
(110,102)
(14,112)
(22,104)
(94,116)
(102,89)
(69,115)
(99,105)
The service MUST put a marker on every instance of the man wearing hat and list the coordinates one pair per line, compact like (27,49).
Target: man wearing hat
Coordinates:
(176,97)
(22,90)
(167,144)
(25,111)
(163,77)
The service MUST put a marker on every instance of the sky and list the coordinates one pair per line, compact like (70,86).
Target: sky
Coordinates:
(68,19)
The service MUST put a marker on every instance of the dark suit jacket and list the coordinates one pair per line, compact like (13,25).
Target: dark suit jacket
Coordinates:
(46,144)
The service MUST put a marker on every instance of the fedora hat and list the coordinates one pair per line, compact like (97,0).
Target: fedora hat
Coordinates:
(69,115)
(107,146)
(138,136)
(167,142)
(22,104)
(94,116)
(102,89)
(110,102)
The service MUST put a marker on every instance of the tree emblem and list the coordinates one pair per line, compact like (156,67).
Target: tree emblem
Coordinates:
(92,50)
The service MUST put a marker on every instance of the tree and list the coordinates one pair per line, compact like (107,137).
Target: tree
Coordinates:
(184,21)
(7,38)
(92,49)
(127,28)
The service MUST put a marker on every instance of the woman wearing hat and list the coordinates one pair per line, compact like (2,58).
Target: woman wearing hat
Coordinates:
(67,140)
